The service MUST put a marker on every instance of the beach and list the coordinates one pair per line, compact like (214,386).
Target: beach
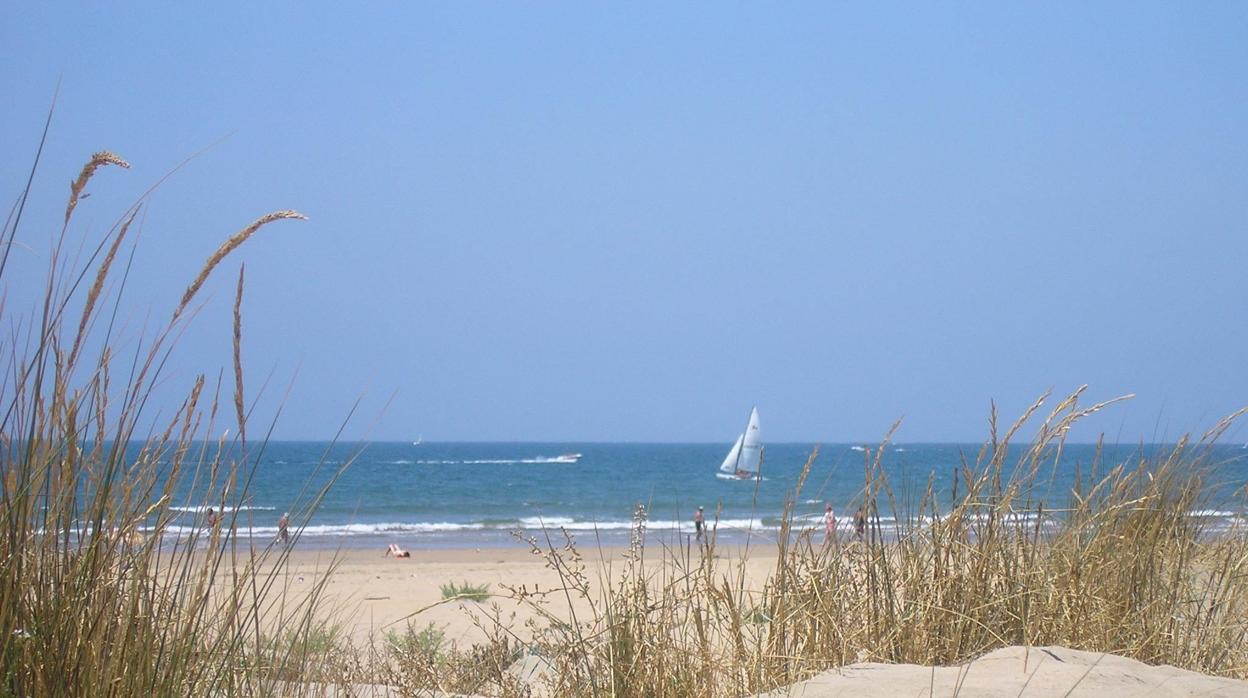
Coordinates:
(369,594)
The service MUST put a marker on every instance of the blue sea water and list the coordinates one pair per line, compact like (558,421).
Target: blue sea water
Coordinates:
(477,494)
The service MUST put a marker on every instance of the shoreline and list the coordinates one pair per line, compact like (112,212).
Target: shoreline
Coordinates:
(1214,523)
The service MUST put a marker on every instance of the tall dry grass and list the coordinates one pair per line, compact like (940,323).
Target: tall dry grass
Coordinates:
(1118,564)
(99,595)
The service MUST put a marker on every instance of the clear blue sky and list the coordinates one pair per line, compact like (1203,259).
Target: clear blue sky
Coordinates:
(587,222)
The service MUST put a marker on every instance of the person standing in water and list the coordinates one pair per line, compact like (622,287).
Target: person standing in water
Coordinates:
(860,524)
(829,522)
(212,518)
(283,524)
(698,522)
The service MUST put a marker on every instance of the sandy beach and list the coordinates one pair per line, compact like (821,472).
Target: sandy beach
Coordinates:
(370,593)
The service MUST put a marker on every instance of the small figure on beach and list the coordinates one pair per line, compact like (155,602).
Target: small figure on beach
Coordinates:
(395,551)
(860,524)
(829,521)
(283,524)
(212,518)
(699,522)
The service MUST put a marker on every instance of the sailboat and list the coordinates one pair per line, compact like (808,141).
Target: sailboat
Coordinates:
(746,456)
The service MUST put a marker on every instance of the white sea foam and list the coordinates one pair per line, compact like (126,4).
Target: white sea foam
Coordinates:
(1212,513)
(393,527)
(666,525)
(1229,521)
(818,518)
(204,508)
(526,523)
(857,448)
(730,476)
(1010,517)
(355,529)
(529,521)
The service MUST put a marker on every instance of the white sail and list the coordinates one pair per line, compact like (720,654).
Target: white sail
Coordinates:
(746,456)
(730,463)
(752,448)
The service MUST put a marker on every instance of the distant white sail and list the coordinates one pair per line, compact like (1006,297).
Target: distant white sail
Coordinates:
(747,453)
(752,447)
(730,463)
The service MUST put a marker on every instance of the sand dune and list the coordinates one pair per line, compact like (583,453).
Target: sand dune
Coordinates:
(1016,671)
(1038,672)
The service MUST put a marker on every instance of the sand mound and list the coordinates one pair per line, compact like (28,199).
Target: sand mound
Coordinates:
(1048,671)
(1017,671)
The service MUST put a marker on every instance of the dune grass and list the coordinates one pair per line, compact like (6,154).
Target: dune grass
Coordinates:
(100,593)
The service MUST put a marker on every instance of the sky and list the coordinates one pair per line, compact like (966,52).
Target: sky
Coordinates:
(590,222)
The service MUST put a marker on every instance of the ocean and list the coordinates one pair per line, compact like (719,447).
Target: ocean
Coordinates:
(478,494)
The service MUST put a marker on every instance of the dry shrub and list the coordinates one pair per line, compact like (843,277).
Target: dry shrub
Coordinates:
(420,662)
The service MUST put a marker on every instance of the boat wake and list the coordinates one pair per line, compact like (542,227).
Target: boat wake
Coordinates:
(734,478)
(537,460)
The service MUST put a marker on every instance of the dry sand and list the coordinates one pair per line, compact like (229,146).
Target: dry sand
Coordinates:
(1037,672)
(374,593)
(1016,671)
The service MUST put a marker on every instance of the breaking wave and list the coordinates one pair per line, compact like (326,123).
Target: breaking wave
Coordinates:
(524,524)
(204,508)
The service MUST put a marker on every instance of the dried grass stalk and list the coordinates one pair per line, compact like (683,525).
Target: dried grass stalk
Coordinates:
(97,161)
(225,249)
(238,360)
(93,295)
